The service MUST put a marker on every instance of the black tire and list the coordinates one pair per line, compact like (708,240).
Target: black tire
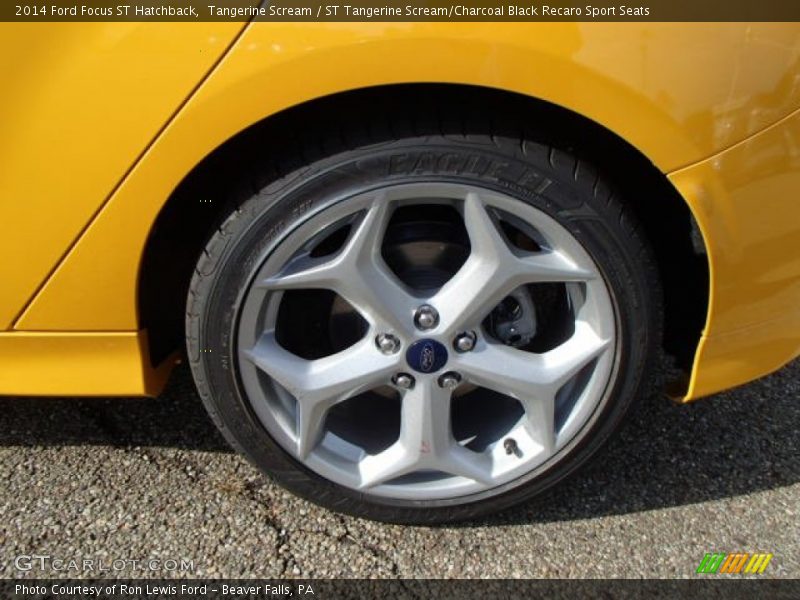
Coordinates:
(554,181)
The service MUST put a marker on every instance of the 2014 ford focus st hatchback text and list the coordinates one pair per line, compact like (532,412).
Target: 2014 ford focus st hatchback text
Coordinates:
(420,273)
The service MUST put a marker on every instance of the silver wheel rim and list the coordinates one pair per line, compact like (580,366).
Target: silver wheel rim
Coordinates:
(293,396)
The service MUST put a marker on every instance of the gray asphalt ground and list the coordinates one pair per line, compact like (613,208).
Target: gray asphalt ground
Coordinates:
(134,479)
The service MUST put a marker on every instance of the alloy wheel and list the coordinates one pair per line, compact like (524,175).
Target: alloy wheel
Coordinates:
(426,341)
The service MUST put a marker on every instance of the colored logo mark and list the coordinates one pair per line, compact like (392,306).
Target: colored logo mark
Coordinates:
(426,356)
(736,562)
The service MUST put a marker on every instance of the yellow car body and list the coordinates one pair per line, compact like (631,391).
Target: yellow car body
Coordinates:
(102,121)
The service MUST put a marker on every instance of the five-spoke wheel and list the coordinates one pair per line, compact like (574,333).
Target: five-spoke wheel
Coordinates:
(424,344)
(429,343)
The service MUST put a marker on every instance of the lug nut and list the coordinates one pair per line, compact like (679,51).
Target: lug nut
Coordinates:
(426,317)
(387,343)
(449,380)
(465,342)
(403,380)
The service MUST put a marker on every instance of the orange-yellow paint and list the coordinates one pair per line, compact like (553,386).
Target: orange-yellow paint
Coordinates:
(680,93)
(80,103)
(746,203)
(80,364)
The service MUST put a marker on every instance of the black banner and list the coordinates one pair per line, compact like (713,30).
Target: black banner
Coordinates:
(400,10)
(319,589)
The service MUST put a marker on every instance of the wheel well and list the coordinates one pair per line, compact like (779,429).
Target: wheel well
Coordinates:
(303,133)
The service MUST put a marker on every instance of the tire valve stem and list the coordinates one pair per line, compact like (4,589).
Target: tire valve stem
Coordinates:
(510,444)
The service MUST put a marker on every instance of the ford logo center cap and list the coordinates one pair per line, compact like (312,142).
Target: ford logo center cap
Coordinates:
(426,356)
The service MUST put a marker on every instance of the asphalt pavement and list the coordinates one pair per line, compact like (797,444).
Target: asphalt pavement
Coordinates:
(147,488)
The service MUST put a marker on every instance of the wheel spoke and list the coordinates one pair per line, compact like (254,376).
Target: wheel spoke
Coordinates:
(426,442)
(357,272)
(493,270)
(550,266)
(533,379)
(482,281)
(524,374)
(319,384)
(540,421)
